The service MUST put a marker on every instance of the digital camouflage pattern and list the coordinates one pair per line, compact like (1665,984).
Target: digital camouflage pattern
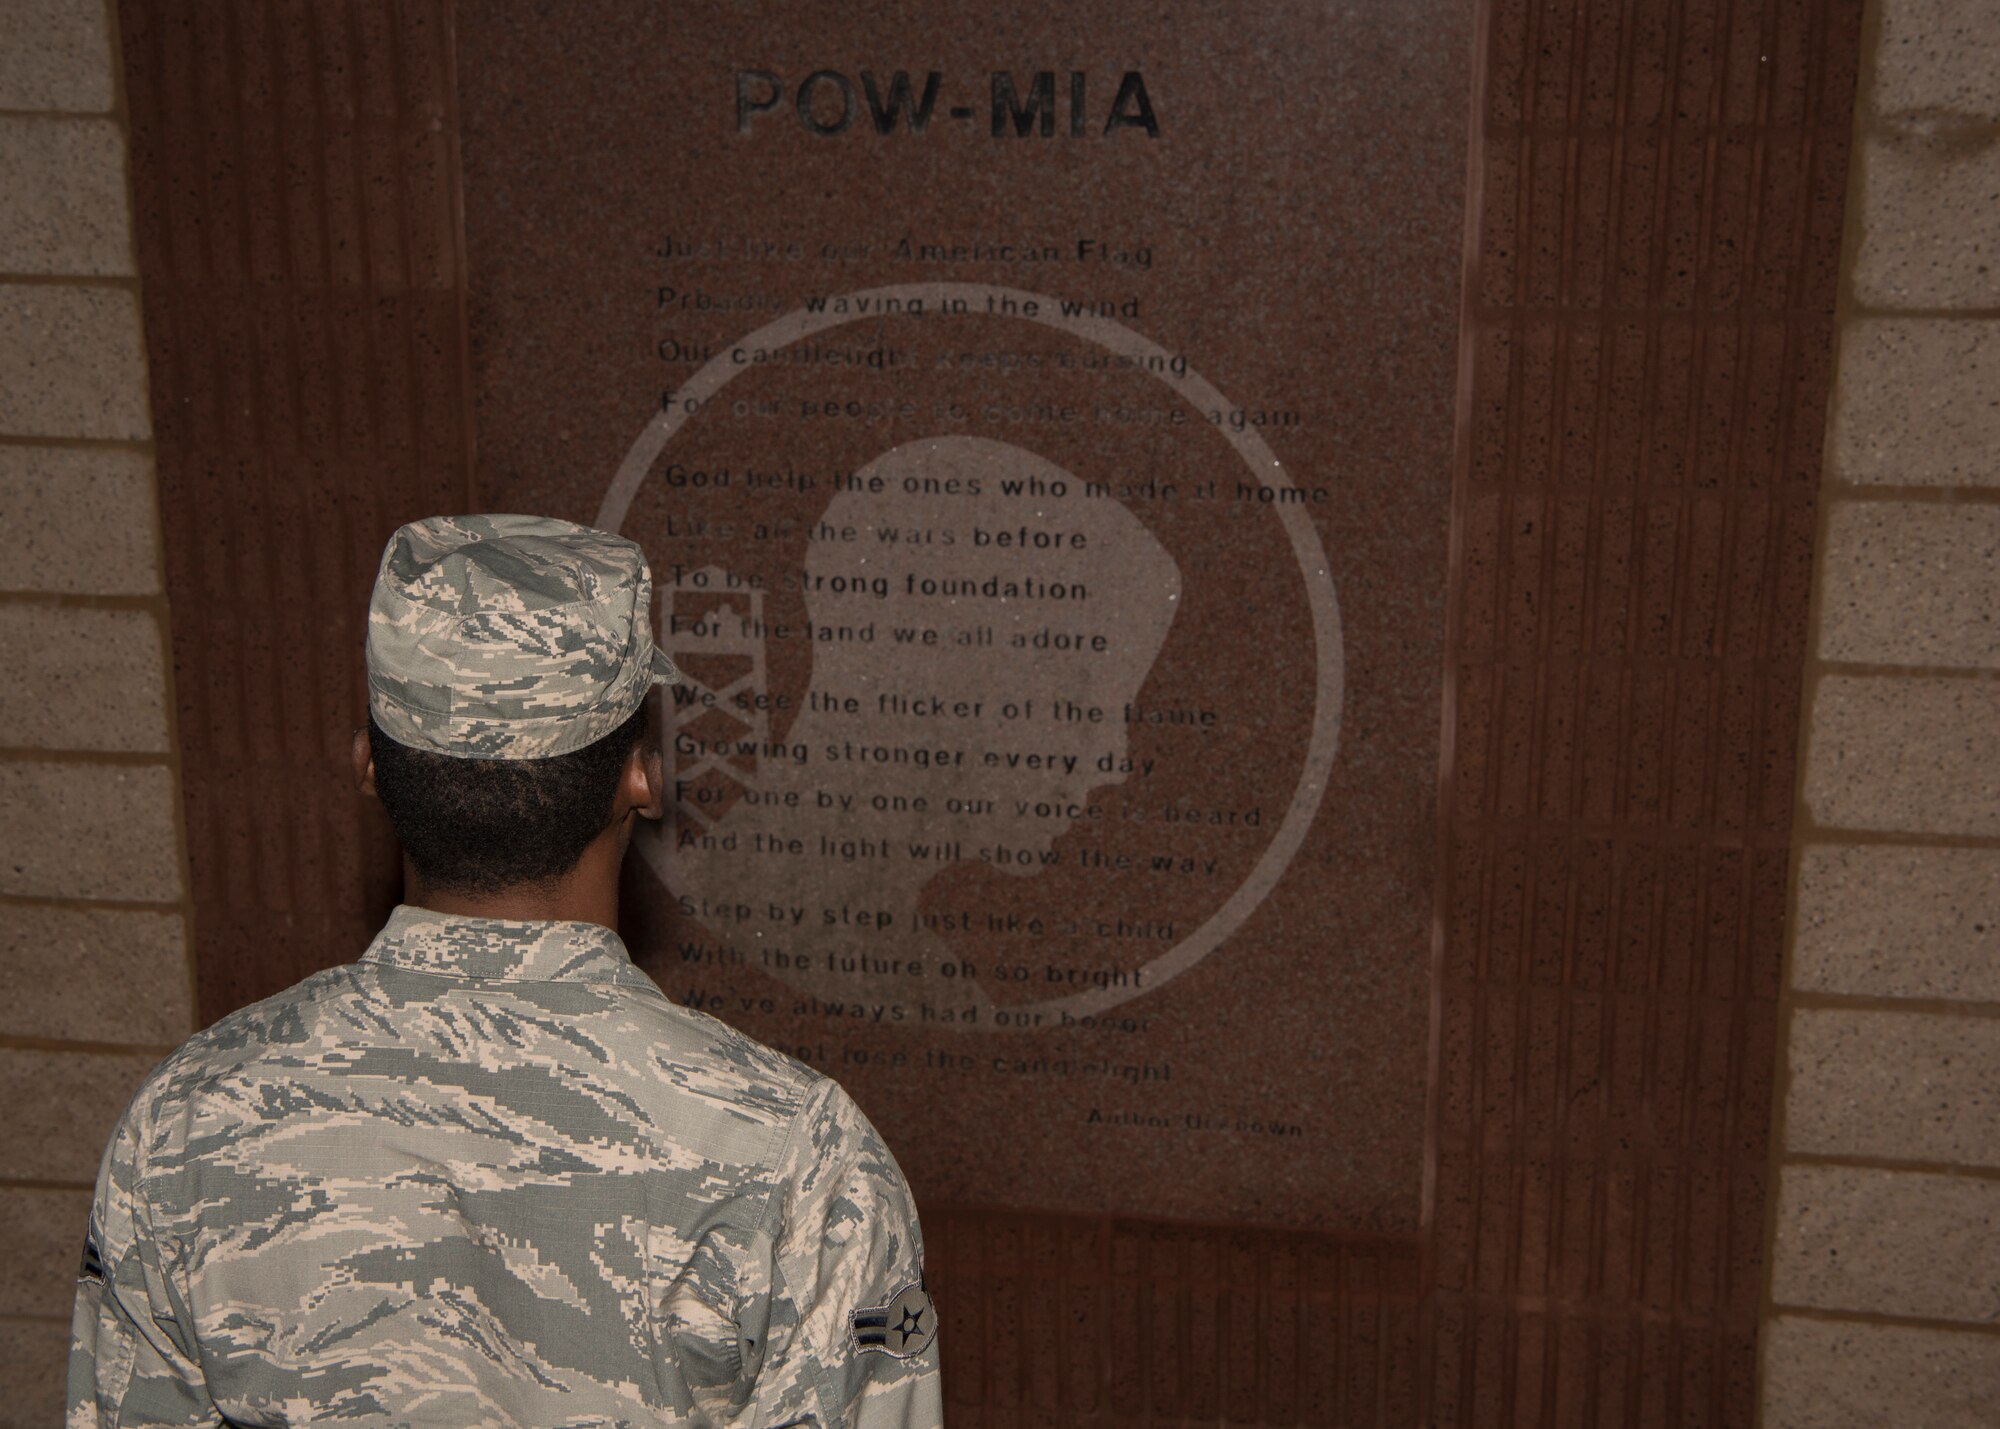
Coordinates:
(509,637)
(489,1175)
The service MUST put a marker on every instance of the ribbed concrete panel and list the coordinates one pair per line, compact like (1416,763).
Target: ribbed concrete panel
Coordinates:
(303,315)
(1649,310)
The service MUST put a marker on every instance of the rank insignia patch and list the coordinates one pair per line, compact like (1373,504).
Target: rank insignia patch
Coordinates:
(93,1263)
(904,1327)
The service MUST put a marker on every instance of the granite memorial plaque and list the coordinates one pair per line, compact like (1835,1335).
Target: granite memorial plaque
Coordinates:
(1039,422)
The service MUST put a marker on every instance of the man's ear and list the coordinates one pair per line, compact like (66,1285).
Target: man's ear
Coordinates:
(364,763)
(644,786)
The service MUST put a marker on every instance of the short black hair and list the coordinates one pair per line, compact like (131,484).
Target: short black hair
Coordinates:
(481,825)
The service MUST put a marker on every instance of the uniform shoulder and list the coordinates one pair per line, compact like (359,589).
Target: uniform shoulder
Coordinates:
(704,1042)
(727,1096)
(283,1021)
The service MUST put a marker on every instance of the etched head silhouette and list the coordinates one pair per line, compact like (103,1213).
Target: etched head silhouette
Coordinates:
(979,622)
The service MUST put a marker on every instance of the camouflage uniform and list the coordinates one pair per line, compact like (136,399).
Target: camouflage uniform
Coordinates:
(489,1175)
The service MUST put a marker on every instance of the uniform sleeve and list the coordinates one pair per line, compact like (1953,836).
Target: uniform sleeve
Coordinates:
(131,1357)
(849,1333)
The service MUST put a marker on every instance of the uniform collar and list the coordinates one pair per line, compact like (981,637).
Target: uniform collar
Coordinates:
(448,944)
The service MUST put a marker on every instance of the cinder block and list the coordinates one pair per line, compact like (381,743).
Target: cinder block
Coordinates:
(80,521)
(34,1363)
(1905,755)
(1937,57)
(1910,583)
(77,830)
(1876,920)
(1832,1374)
(1905,1086)
(66,210)
(1913,403)
(72,362)
(45,1232)
(1930,221)
(1887,1243)
(82,679)
(94,975)
(61,1109)
(57,55)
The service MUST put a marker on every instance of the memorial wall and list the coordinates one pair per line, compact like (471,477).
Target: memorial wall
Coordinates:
(1107,468)
(1040,430)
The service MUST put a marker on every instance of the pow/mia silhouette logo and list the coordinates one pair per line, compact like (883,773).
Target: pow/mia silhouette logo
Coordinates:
(903,1328)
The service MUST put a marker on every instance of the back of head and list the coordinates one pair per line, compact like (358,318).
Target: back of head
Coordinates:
(509,659)
(481,825)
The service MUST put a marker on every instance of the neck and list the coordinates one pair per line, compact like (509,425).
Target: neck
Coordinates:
(588,893)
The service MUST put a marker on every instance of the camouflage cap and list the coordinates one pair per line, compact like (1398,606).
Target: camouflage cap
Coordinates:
(509,637)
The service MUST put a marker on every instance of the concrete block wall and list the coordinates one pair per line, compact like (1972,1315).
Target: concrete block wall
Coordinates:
(94,979)
(1884,1294)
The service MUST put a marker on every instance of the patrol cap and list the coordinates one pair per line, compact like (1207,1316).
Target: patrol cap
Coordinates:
(509,637)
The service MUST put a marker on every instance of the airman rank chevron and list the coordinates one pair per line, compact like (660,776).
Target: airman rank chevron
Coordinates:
(92,1268)
(904,1327)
